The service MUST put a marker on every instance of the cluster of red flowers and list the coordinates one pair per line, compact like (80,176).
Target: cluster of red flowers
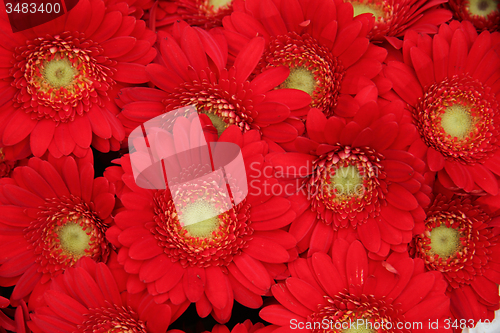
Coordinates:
(369,132)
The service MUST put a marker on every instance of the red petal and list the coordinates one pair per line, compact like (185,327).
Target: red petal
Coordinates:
(271,209)
(416,290)
(423,66)
(285,297)
(486,289)
(253,270)
(18,128)
(145,248)
(458,53)
(401,198)
(81,131)
(305,293)
(194,283)
(130,73)
(278,315)
(321,238)
(41,136)
(153,269)
(266,250)
(327,274)
(216,287)
(269,79)
(170,280)
(248,58)
(356,266)
(484,178)
(369,234)
(65,306)
(100,125)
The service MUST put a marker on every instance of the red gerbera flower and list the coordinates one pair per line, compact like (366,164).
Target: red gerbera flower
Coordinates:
(90,298)
(327,51)
(394,17)
(483,14)
(452,84)
(461,240)
(328,294)
(233,255)
(357,174)
(50,216)
(206,14)
(58,78)
(193,72)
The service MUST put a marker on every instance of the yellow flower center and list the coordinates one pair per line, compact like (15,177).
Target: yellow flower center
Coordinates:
(482,7)
(361,7)
(200,219)
(457,121)
(347,182)
(302,79)
(445,241)
(217,4)
(74,239)
(59,73)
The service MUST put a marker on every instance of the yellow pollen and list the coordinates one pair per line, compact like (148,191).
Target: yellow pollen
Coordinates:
(362,8)
(445,242)
(347,182)
(59,73)
(300,78)
(200,219)
(457,121)
(217,4)
(74,239)
(219,124)
(482,7)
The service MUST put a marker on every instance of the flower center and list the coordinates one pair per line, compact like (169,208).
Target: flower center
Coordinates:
(200,219)
(362,7)
(217,4)
(445,241)
(347,182)
(458,117)
(300,78)
(482,7)
(59,73)
(457,121)
(74,239)
(219,124)
(313,68)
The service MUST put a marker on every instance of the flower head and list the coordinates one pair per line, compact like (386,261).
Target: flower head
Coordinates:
(188,235)
(201,77)
(59,78)
(52,215)
(327,51)
(91,298)
(357,174)
(453,93)
(329,294)
(461,241)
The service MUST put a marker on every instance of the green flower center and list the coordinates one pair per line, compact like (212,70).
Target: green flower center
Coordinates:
(59,73)
(217,4)
(74,239)
(457,121)
(200,219)
(300,78)
(361,7)
(445,241)
(482,7)
(347,182)
(219,124)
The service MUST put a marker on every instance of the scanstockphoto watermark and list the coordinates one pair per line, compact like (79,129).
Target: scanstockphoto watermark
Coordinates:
(359,324)
(351,180)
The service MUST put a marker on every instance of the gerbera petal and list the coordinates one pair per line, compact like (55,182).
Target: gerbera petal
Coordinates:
(253,270)
(216,287)
(248,58)
(369,234)
(458,53)
(266,250)
(401,198)
(130,73)
(18,128)
(415,291)
(356,266)
(145,248)
(486,289)
(67,307)
(194,283)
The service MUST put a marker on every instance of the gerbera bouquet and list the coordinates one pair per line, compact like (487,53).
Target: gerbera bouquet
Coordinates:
(249,166)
